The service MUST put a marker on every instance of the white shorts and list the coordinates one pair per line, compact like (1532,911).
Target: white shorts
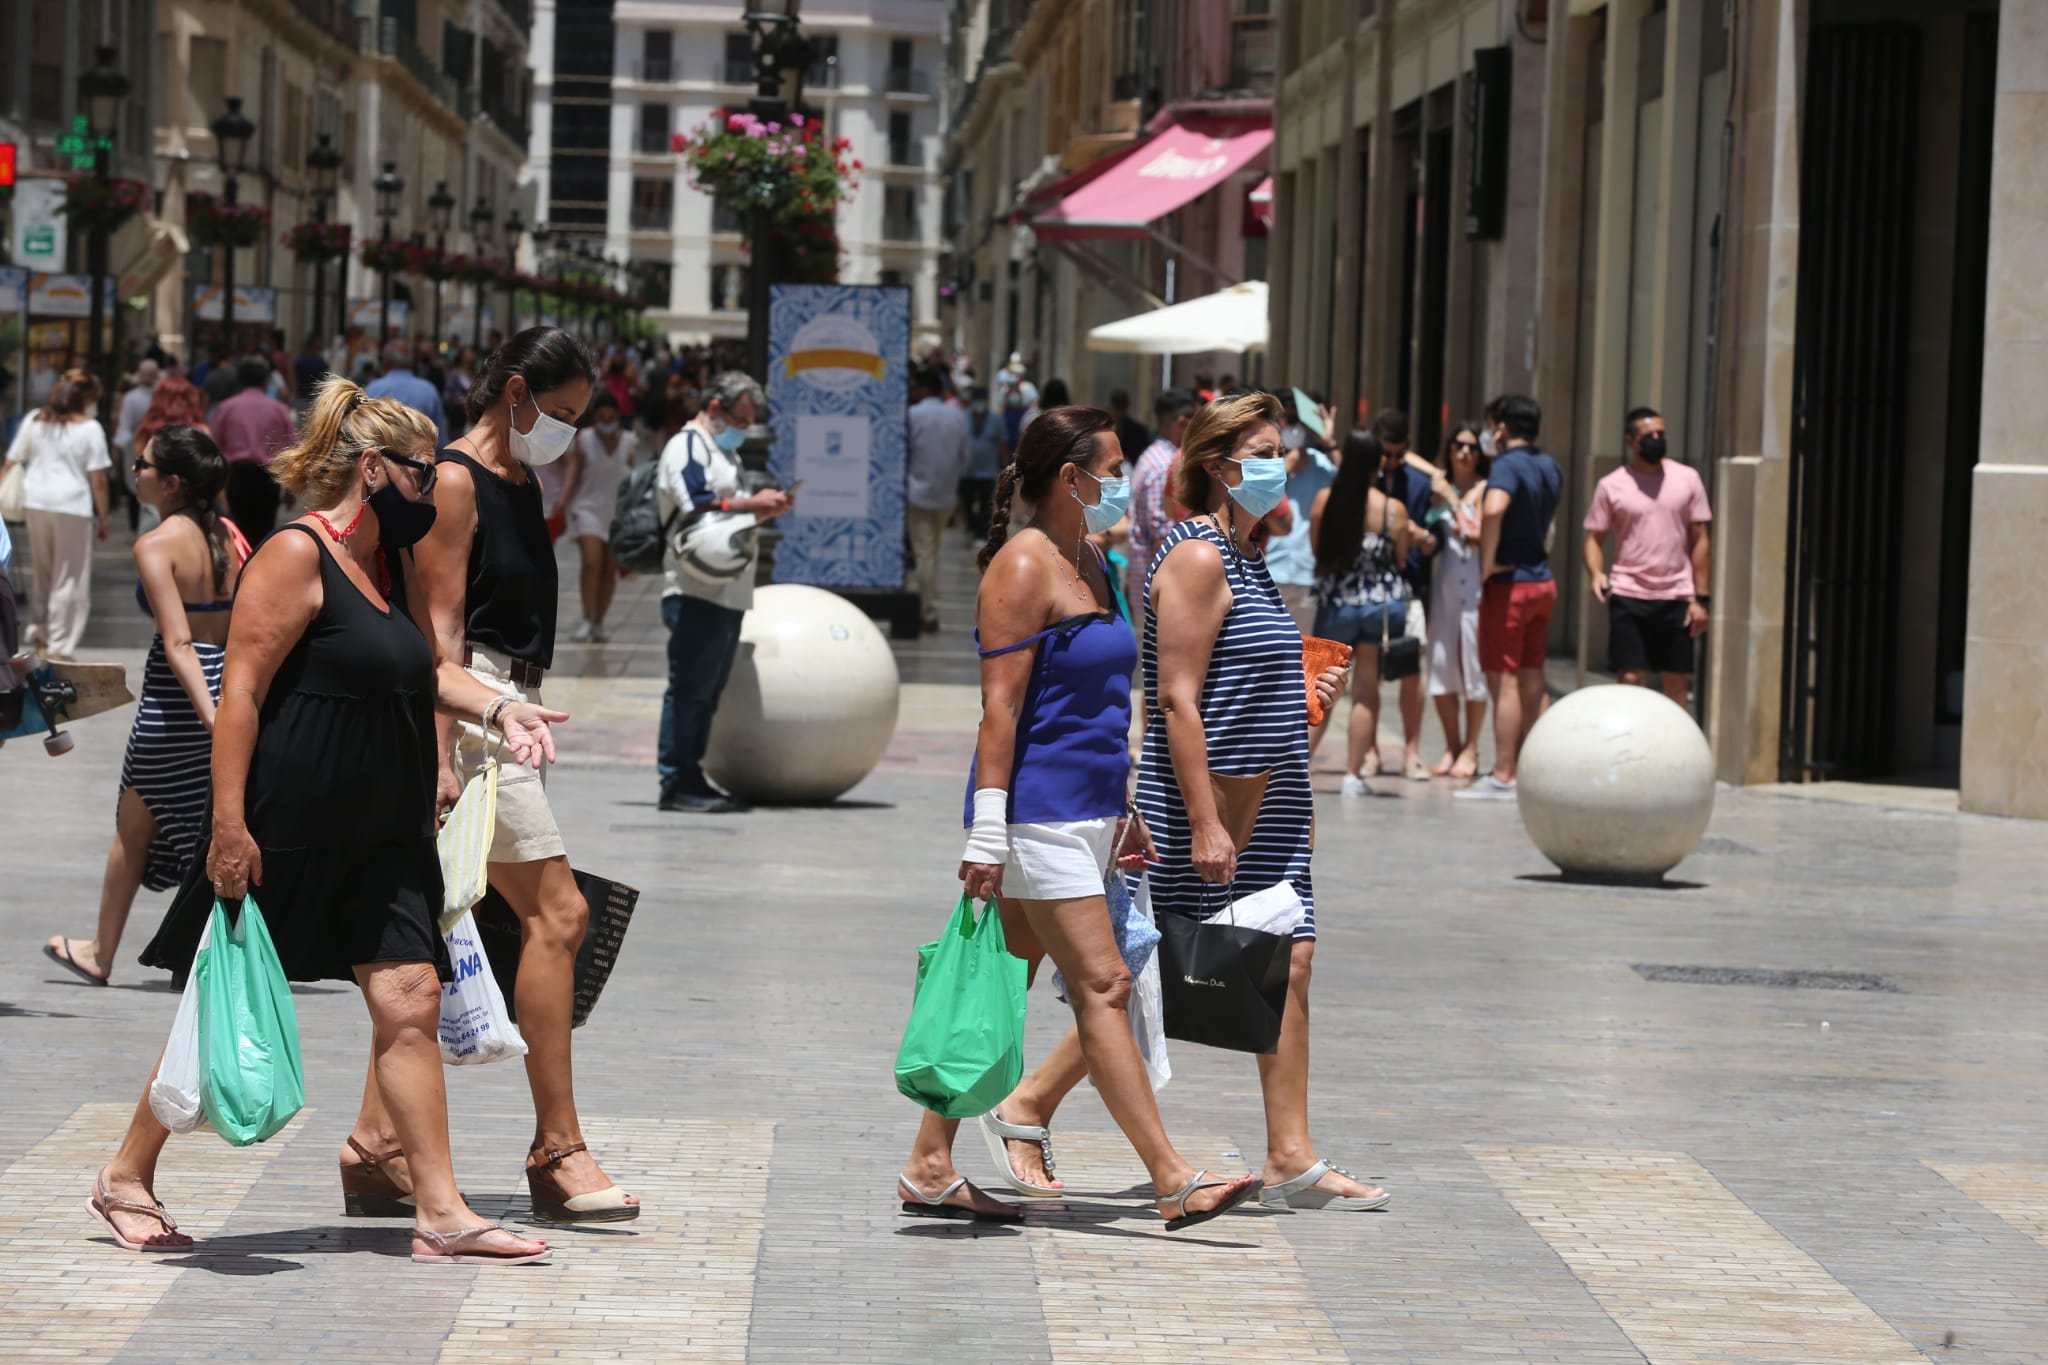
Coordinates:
(1063,861)
(526,830)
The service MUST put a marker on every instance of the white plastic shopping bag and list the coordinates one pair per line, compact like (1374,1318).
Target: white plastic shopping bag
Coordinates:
(1148,1012)
(174,1094)
(464,842)
(1276,910)
(474,1025)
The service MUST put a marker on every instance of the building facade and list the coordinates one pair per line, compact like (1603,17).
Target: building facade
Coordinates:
(626,76)
(1708,207)
(1051,97)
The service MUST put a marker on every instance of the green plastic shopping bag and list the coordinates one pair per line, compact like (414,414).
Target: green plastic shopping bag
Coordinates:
(963,1049)
(250,1081)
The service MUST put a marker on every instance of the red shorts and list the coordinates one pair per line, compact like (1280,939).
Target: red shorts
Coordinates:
(1514,624)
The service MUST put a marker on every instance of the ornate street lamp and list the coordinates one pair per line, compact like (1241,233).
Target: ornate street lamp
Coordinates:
(480,221)
(101,89)
(541,235)
(514,225)
(388,186)
(440,212)
(781,55)
(323,164)
(231,134)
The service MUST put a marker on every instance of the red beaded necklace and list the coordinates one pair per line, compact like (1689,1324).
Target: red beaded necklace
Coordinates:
(345,532)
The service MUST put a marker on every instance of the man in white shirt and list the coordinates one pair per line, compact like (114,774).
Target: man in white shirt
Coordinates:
(934,461)
(707,580)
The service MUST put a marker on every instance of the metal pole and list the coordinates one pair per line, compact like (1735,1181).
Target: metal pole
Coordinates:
(384,271)
(440,250)
(758,270)
(227,298)
(320,276)
(96,345)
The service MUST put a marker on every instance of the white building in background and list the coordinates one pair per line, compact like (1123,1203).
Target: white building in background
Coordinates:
(876,80)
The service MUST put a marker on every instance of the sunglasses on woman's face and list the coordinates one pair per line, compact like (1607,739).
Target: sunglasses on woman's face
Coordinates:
(1472,446)
(142,464)
(420,468)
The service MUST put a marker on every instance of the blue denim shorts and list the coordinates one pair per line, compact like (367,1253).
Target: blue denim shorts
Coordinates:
(1357,626)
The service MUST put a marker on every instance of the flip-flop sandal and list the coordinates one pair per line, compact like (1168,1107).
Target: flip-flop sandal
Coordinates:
(102,1206)
(922,1205)
(999,1135)
(459,1248)
(1301,1193)
(1247,1186)
(65,960)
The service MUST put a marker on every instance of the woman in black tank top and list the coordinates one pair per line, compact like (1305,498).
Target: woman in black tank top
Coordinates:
(323,810)
(487,575)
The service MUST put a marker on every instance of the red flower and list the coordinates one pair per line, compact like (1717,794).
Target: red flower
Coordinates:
(857,164)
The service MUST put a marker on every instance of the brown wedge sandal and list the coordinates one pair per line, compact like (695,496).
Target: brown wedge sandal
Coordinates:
(553,1204)
(367,1189)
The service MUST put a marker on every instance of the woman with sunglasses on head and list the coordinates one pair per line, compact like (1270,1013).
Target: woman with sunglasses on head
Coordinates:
(186,570)
(1047,798)
(1455,675)
(323,799)
(488,580)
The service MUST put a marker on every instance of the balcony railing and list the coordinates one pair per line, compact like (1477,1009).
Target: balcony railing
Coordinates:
(909,154)
(655,70)
(724,217)
(395,42)
(333,18)
(507,120)
(905,80)
(737,73)
(900,227)
(653,142)
(652,217)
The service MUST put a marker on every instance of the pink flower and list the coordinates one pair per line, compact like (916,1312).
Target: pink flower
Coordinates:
(735,123)
(796,120)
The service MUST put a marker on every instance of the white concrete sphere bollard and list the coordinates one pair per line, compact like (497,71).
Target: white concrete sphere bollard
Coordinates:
(1616,784)
(812,701)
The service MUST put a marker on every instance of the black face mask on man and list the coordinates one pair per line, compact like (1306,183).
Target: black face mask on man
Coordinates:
(1652,447)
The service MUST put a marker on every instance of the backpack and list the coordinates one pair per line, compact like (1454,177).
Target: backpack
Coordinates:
(639,535)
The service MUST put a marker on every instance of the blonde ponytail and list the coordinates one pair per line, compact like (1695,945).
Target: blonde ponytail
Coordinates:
(343,423)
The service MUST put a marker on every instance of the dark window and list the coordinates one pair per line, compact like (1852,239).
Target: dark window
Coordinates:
(903,148)
(899,214)
(583,127)
(458,48)
(739,59)
(655,290)
(657,55)
(728,288)
(654,128)
(654,202)
(583,42)
(824,71)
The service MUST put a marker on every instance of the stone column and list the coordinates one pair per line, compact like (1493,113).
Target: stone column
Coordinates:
(2005,702)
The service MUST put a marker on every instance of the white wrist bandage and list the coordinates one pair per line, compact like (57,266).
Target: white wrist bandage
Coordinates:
(989,840)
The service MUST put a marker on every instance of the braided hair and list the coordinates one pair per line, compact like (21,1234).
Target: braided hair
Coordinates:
(190,456)
(1056,438)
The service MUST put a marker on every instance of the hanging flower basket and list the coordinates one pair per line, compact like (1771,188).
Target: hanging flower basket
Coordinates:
(213,223)
(382,257)
(432,262)
(790,168)
(316,243)
(481,270)
(95,204)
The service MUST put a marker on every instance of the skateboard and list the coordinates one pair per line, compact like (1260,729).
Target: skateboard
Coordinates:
(58,692)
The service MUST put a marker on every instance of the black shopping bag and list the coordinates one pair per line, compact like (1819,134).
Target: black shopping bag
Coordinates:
(1222,985)
(611,910)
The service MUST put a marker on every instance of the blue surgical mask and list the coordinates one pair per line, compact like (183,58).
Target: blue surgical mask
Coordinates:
(730,438)
(1110,508)
(1263,487)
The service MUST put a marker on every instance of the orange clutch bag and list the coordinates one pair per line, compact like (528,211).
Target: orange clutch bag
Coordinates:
(1317,655)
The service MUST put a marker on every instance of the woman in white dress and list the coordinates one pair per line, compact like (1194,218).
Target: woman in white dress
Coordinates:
(65,493)
(1455,676)
(591,472)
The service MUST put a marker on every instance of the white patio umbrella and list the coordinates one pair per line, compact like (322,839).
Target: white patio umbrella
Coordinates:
(1232,319)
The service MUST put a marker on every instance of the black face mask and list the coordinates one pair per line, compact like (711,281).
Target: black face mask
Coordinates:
(1652,448)
(401,522)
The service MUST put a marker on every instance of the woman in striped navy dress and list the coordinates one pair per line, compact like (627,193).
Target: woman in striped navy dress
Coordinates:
(1222,668)
(186,572)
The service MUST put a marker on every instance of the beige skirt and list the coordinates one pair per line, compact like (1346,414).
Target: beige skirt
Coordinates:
(526,830)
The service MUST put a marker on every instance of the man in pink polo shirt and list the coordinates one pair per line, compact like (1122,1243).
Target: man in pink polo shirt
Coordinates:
(1656,598)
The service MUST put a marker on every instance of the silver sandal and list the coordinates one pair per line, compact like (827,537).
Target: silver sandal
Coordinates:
(922,1205)
(998,1134)
(1301,1193)
(1248,1186)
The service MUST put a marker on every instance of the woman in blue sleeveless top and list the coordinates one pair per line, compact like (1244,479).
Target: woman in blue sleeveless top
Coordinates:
(1048,796)
(1223,671)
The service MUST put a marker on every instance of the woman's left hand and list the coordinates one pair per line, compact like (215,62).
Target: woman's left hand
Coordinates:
(1136,842)
(1329,683)
(527,736)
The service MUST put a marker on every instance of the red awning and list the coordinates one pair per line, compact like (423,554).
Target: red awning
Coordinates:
(1151,180)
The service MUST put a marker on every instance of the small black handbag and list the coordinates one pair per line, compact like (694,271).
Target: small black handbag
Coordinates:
(1400,658)
(1222,985)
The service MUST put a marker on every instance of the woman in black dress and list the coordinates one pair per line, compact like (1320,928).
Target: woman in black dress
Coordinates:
(323,779)
(487,575)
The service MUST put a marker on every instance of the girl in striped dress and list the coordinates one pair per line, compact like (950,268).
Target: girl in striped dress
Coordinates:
(1222,669)
(186,573)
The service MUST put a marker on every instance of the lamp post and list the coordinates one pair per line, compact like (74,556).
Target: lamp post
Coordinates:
(440,211)
(388,187)
(480,219)
(781,53)
(541,235)
(231,134)
(514,225)
(101,90)
(324,164)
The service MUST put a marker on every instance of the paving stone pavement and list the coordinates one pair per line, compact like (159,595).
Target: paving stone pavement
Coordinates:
(1587,1166)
